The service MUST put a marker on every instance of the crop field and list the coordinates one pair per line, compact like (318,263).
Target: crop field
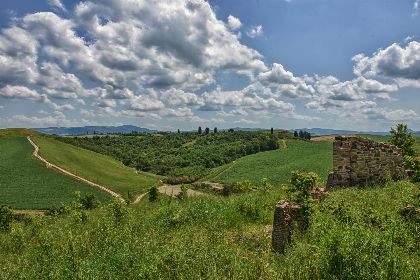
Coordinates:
(25,183)
(95,167)
(277,165)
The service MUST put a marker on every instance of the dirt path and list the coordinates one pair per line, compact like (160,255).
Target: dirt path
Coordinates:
(65,172)
(174,190)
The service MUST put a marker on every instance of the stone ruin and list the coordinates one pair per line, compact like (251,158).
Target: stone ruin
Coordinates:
(357,161)
(284,216)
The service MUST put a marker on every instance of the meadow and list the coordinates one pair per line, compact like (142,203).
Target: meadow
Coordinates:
(354,233)
(96,167)
(25,183)
(295,155)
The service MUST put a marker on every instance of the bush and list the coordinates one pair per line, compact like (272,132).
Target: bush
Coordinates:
(237,187)
(153,194)
(90,201)
(413,164)
(6,218)
(299,192)
(179,180)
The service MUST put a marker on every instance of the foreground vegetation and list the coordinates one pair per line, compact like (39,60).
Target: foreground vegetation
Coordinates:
(25,183)
(177,154)
(353,234)
(98,168)
(277,165)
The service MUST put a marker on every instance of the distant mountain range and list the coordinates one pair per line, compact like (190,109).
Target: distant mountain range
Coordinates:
(93,130)
(326,131)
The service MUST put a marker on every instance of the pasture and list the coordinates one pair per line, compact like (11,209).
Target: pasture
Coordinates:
(25,183)
(96,167)
(277,165)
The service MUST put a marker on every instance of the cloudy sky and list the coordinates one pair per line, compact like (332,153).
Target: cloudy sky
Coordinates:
(352,64)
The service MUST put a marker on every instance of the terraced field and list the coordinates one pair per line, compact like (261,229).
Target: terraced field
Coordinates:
(278,164)
(25,183)
(96,167)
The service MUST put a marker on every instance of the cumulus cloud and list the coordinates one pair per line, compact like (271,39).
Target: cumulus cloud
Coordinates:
(395,62)
(234,23)
(255,31)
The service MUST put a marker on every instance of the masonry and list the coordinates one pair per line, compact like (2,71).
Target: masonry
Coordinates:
(357,161)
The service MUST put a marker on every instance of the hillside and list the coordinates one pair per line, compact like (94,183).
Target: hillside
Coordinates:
(278,164)
(25,183)
(96,167)
(354,234)
(87,130)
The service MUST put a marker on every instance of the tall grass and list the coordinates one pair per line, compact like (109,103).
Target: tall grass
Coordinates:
(354,234)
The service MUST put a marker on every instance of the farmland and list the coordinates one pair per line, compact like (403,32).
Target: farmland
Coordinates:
(26,183)
(96,167)
(277,165)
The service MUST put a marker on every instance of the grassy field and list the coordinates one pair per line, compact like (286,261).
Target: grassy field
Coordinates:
(96,167)
(5,132)
(354,234)
(25,183)
(277,165)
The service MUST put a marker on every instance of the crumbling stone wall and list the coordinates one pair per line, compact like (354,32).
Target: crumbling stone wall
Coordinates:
(357,161)
(285,214)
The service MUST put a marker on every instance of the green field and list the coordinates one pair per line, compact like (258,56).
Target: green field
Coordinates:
(96,167)
(277,165)
(25,183)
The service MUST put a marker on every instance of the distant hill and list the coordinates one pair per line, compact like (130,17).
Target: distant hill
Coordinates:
(326,131)
(93,130)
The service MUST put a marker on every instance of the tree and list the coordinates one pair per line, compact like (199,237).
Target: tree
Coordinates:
(272,131)
(402,138)
(215,130)
(179,131)
(206,131)
(200,130)
(300,134)
(296,134)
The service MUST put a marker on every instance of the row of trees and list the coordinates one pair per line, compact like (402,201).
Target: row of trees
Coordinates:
(302,134)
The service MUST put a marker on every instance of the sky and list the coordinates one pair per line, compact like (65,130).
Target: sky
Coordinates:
(349,64)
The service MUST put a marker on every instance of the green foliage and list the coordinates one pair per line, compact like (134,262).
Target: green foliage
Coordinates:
(119,211)
(402,138)
(237,187)
(413,163)
(277,165)
(174,155)
(90,201)
(299,192)
(153,194)
(221,238)
(26,183)
(183,193)
(6,218)
(96,167)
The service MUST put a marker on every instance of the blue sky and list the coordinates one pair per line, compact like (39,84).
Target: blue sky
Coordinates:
(185,63)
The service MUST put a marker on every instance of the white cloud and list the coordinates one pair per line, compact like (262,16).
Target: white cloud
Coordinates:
(416,7)
(57,4)
(255,31)
(234,23)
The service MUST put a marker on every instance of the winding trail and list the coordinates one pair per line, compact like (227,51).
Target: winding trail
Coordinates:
(65,172)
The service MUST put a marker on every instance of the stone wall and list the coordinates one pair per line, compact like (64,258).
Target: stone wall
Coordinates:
(357,161)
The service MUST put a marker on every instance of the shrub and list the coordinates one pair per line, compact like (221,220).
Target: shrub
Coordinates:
(119,211)
(6,218)
(402,138)
(237,187)
(299,192)
(183,194)
(413,164)
(90,201)
(153,194)
(179,180)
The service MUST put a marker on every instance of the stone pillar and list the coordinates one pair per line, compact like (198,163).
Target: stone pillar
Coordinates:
(284,215)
